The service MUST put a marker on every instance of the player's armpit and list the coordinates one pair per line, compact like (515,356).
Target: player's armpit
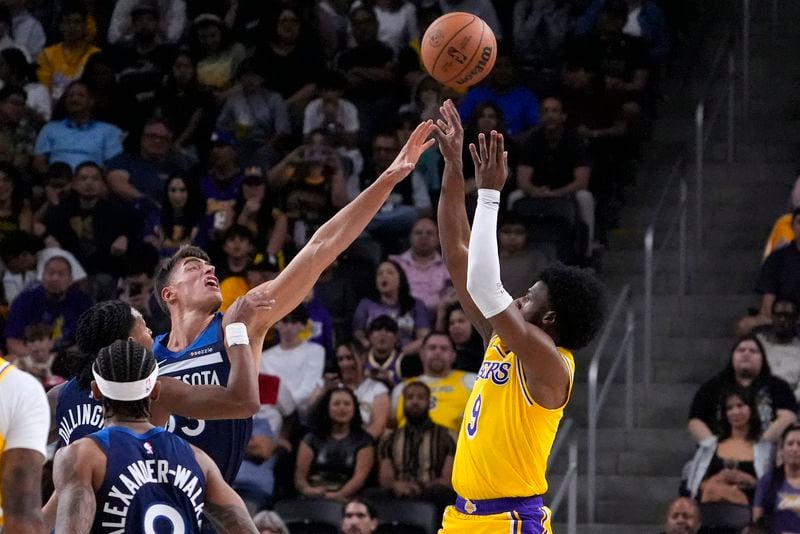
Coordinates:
(22,492)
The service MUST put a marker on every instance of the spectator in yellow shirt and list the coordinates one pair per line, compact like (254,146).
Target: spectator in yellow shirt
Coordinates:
(261,270)
(782,232)
(63,62)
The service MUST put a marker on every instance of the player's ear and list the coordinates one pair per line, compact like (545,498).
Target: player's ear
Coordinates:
(549,317)
(167,294)
(156,393)
(96,395)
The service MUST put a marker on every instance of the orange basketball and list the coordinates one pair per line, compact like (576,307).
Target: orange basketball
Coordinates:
(459,49)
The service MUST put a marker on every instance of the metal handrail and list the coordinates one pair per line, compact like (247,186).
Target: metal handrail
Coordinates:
(569,487)
(653,258)
(704,128)
(596,400)
(563,432)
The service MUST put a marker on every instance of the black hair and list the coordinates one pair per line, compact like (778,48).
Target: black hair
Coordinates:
(332,80)
(729,374)
(17,242)
(795,213)
(747,397)
(226,39)
(475,339)
(438,333)
(404,298)
(99,326)
(9,90)
(60,108)
(19,65)
(297,315)
(192,212)
(165,272)
(5,16)
(18,193)
(365,9)
(237,230)
(383,322)
(73,7)
(418,383)
(88,164)
(125,361)
(371,510)
(322,417)
(578,298)
(471,130)
(58,170)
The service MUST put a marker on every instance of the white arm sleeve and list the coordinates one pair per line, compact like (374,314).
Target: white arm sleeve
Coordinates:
(483,265)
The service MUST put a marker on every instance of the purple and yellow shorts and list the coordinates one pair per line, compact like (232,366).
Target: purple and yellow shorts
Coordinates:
(511,515)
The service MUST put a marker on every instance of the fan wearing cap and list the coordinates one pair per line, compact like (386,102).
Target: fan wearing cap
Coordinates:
(220,187)
(153,477)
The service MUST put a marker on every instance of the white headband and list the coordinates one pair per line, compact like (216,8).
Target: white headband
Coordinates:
(126,391)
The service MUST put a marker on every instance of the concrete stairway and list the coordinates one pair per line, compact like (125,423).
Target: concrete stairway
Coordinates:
(639,471)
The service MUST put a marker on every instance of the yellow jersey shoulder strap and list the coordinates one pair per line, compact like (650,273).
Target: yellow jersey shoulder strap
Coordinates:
(5,368)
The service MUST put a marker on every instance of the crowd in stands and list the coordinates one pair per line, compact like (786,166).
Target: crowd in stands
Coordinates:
(745,473)
(129,128)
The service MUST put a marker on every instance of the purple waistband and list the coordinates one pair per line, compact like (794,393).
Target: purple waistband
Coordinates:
(521,505)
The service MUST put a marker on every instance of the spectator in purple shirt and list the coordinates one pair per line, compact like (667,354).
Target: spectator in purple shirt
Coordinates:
(392,296)
(777,500)
(220,187)
(423,264)
(56,302)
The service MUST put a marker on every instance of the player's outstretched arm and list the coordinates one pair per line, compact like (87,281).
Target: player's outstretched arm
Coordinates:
(452,214)
(223,507)
(240,398)
(547,374)
(73,475)
(333,237)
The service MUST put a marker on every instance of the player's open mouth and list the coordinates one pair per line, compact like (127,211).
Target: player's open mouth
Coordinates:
(212,282)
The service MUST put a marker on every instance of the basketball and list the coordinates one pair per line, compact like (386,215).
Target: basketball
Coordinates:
(459,50)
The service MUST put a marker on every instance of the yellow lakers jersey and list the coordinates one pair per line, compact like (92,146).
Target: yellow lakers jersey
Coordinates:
(505,438)
(449,396)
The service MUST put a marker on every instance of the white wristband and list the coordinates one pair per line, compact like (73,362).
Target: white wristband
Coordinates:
(489,198)
(236,334)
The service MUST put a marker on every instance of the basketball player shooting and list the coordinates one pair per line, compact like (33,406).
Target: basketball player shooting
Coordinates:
(525,381)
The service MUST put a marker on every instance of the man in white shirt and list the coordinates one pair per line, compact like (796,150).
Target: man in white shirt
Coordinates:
(24,423)
(172,17)
(299,364)
(782,343)
(28,32)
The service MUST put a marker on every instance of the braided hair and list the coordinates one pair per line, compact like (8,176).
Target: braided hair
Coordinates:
(125,361)
(98,327)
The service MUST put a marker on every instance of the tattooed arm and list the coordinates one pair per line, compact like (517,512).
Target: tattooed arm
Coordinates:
(223,507)
(21,489)
(77,470)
